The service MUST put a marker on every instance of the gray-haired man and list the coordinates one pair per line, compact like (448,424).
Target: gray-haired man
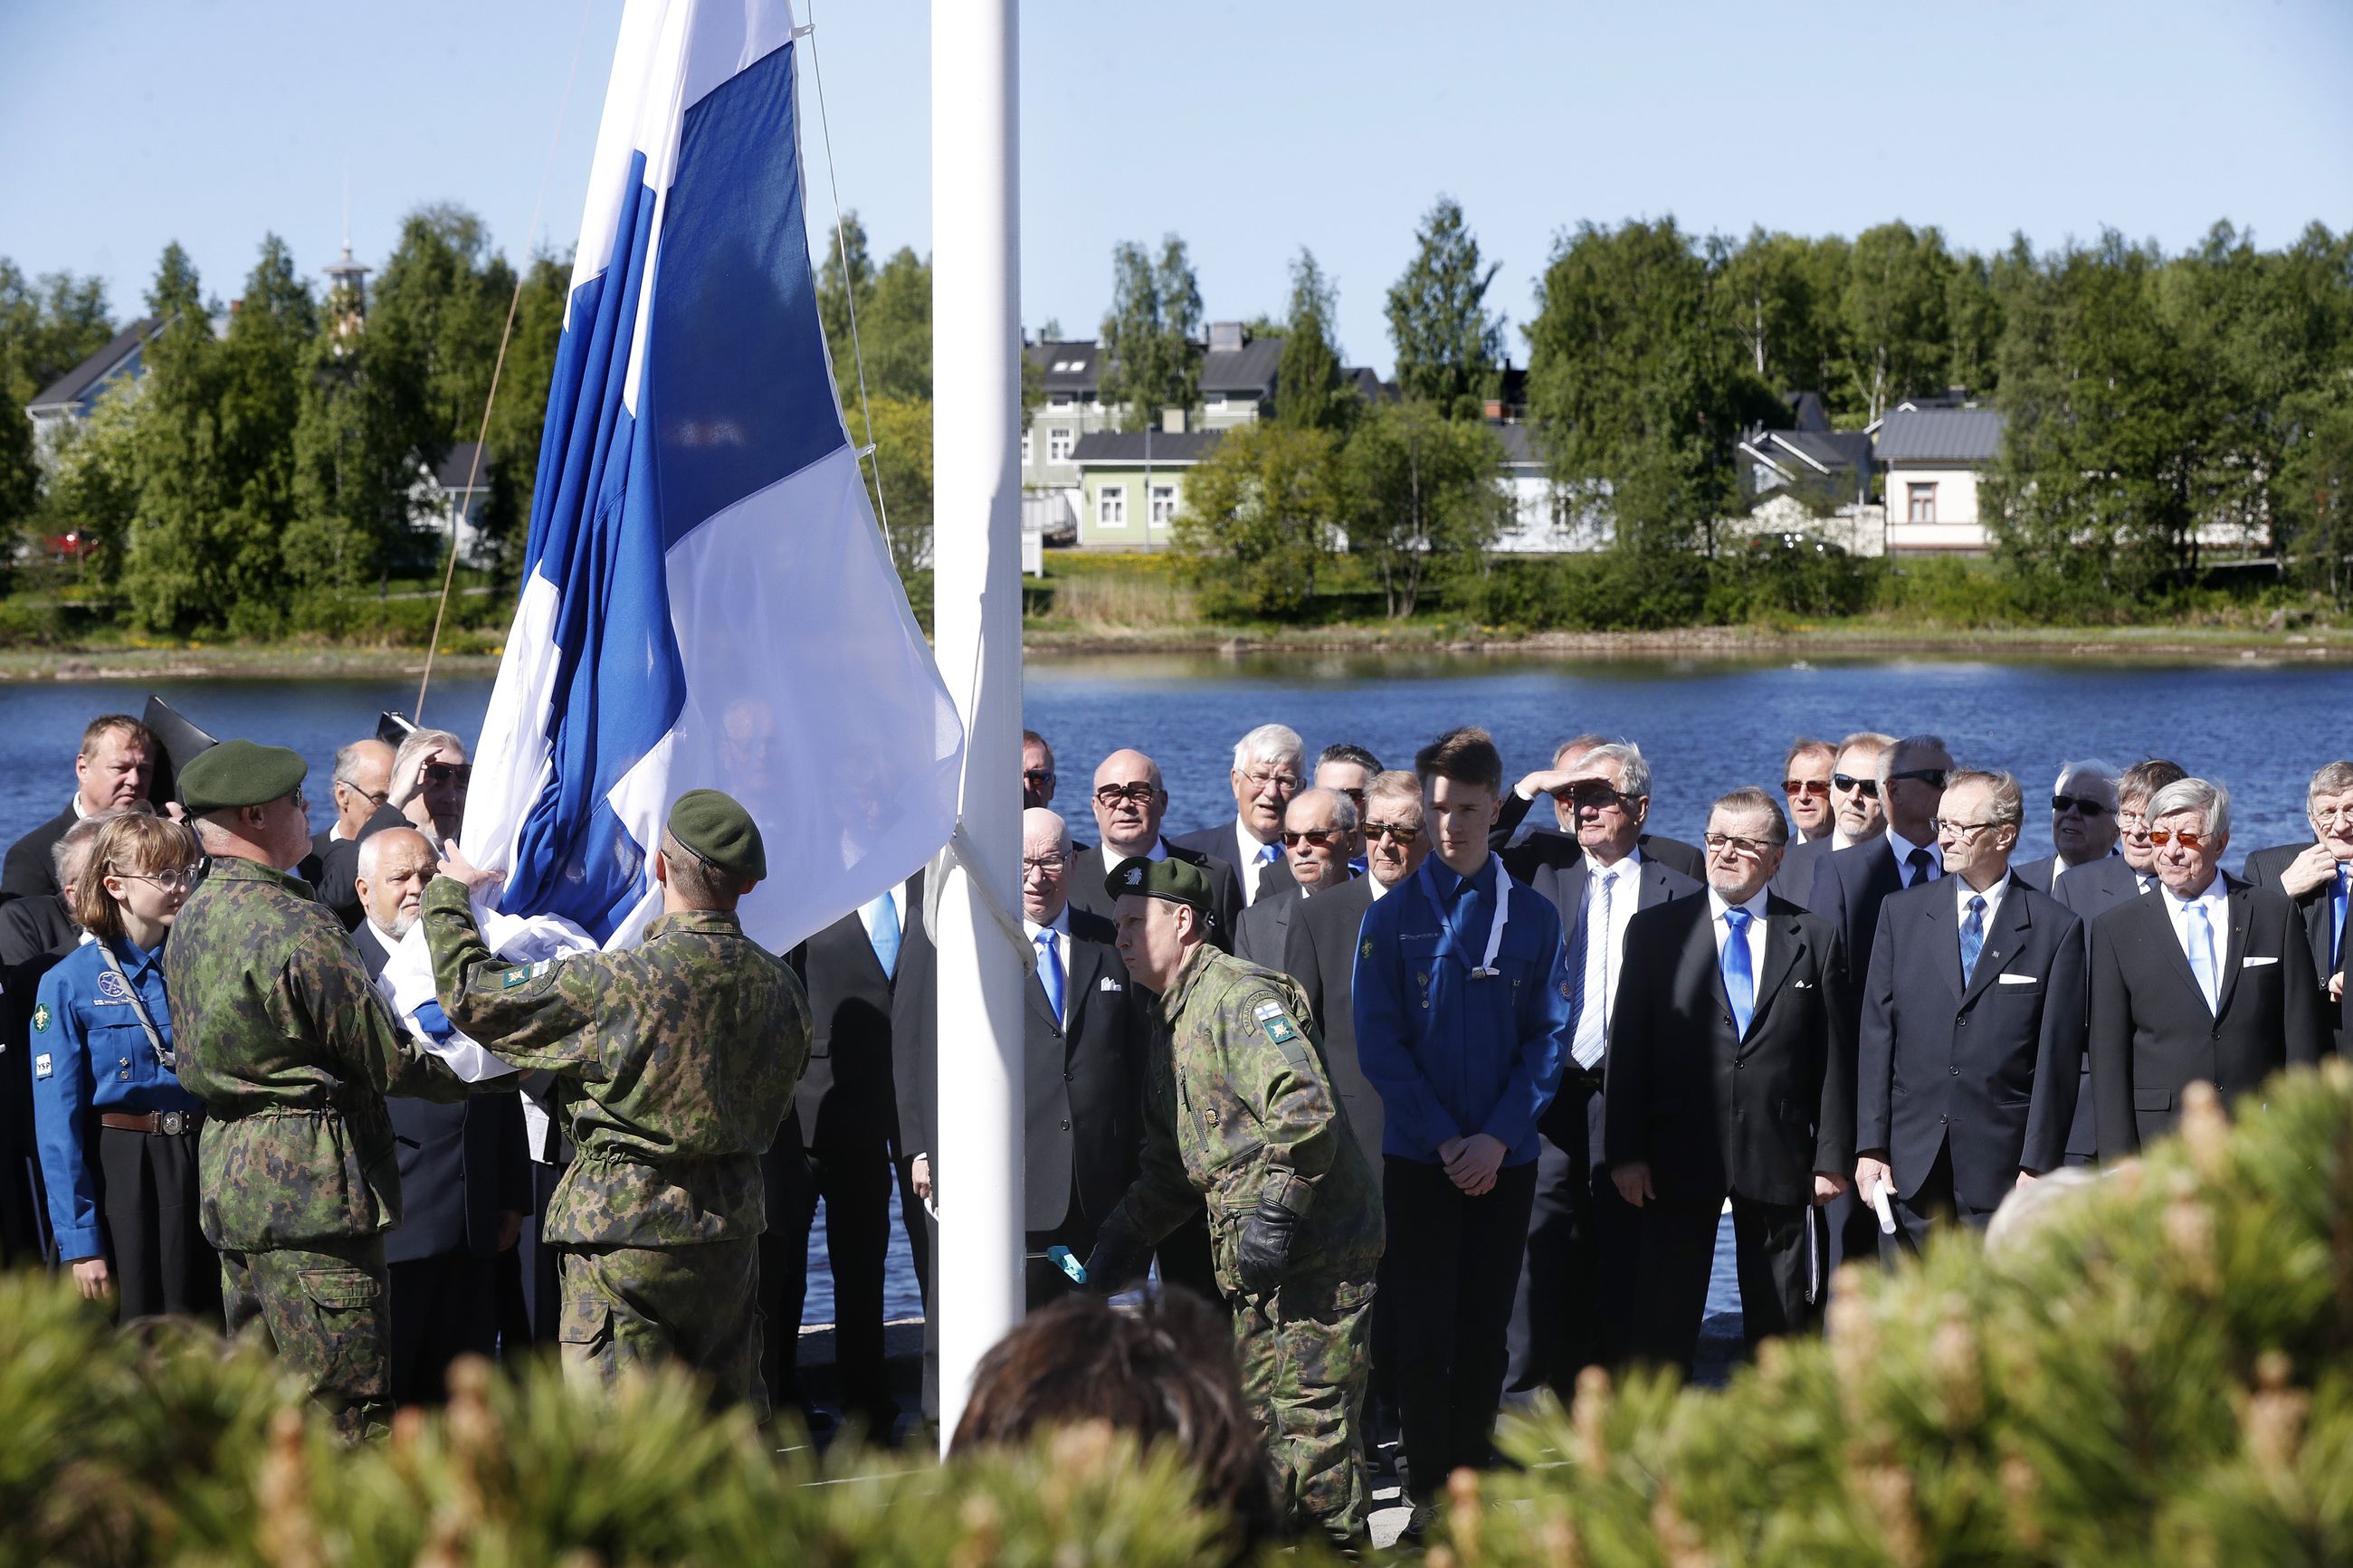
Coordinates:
(1269,764)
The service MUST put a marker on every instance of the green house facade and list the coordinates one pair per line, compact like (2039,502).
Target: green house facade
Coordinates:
(1132,484)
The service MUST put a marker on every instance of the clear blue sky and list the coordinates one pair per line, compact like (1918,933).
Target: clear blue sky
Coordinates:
(1249,129)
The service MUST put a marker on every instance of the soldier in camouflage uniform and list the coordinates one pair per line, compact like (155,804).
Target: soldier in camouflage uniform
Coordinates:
(292,1051)
(676,1061)
(1239,1114)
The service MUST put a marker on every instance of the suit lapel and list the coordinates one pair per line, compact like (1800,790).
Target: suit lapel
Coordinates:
(1784,944)
(1654,886)
(1700,953)
(2006,935)
(2234,947)
(2158,915)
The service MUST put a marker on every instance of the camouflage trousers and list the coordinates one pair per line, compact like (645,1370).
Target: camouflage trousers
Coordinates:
(1305,1352)
(322,1311)
(697,1305)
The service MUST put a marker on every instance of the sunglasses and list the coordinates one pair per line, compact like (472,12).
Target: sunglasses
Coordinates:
(1932,778)
(2193,842)
(1141,791)
(1395,832)
(2063,804)
(1321,838)
(1820,788)
(1867,788)
(1593,794)
(438,774)
(1038,775)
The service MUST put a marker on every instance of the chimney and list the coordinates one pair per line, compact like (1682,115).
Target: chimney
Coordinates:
(1226,337)
(1172,422)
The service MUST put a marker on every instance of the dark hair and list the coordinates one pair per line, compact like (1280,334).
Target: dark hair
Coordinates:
(1343,752)
(1466,755)
(107,724)
(1803,745)
(1163,1371)
(2142,780)
(1031,738)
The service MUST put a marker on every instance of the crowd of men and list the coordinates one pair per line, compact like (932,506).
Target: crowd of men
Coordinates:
(1431,1094)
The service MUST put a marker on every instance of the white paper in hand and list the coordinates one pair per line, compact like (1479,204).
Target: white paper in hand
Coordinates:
(1886,1212)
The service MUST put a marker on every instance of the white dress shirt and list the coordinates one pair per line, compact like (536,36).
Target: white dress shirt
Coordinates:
(1963,893)
(1904,848)
(1588,1040)
(1722,929)
(2216,900)
(1246,851)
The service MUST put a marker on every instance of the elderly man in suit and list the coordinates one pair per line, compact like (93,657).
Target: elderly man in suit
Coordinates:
(1730,1075)
(465,1183)
(1972,1026)
(2315,876)
(1527,846)
(2083,826)
(1805,770)
(1350,769)
(112,773)
(2208,979)
(1130,802)
(1581,1233)
(1319,833)
(362,795)
(1268,765)
(1856,815)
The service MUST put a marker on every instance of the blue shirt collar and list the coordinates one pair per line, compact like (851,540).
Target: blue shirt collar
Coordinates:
(1451,884)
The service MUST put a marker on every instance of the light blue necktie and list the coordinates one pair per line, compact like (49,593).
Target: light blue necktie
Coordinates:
(1739,983)
(2201,956)
(2337,917)
(884,932)
(1972,937)
(1050,970)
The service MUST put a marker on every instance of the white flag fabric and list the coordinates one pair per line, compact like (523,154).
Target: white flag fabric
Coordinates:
(706,600)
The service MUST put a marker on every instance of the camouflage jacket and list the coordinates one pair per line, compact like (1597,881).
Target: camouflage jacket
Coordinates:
(292,1051)
(1237,1103)
(676,1061)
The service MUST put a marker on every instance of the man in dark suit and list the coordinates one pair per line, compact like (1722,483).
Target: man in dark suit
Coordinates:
(1856,815)
(2315,876)
(1319,835)
(1130,802)
(1269,763)
(112,773)
(837,1148)
(464,1182)
(2083,826)
(1524,845)
(1581,1232)
(1972,1026)
(2208,979)
(1806,770)
(361,786)
(1729,1073)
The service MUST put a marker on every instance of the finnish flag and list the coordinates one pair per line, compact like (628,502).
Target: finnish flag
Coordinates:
(706,598)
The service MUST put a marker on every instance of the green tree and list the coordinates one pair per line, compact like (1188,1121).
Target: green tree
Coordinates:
(903,458)
(519,418)
(1779,297)
(1151,356)
(364,414)
(1893,311)
(2315,489)
(1308,391)
(93,489)
(1447,340)
(445,294)
(1261,512)
(892,318)
(1422,495)
(45,329)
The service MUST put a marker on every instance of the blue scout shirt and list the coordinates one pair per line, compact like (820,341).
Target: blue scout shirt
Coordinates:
(1450,1052)
(90,1055)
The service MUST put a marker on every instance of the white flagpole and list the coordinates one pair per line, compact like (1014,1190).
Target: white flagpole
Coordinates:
(976,626)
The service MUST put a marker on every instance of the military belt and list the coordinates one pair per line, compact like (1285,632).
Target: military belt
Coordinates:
(169,1123)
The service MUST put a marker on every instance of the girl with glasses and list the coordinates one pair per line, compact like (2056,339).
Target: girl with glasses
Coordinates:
(116,1133)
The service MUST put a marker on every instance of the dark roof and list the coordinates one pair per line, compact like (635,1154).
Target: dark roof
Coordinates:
(78,383)
(1806,411)
(1127,446)
(1366,379)
(1251,369)
(450,475)
(1066,366)
(1940,435)
(1519,445)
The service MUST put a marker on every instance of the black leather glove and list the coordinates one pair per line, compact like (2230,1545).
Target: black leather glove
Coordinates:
(1262,1255)
(1117,1259)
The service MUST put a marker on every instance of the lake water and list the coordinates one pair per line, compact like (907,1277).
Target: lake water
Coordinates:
(1705,725)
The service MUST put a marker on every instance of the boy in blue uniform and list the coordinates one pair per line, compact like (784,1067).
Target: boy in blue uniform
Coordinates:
(118,1133)
(1462,1017)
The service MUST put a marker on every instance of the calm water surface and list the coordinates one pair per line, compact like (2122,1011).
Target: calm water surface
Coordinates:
(1705,725)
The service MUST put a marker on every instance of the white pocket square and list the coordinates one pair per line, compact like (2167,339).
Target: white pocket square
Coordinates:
(1110,984)
(2253,961)
(2009,979)
(1802,985)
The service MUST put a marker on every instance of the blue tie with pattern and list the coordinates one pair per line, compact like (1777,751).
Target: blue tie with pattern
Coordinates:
(1050,970)
(2201,957)
(2336,920)
(1972,937)
(1739,982)
(884,933)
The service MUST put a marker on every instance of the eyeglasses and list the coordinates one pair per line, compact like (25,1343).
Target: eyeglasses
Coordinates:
(1867,788)
(1595,794)
(439,774)
(1357,795)
(299,801)
(1043,865)
(1395,832)
(377,795)
(2193,842)
(1752,849)
(2335,814)
(1141,791)
(169,881)
(1819,787)
(1321,838)
(1286,783)
(1038,775)
(1942,826)
(1932,778)
(2061,804)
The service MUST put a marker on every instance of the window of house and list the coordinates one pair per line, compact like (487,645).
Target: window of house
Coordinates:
(1164,505)
(1024,448)
(1058,445)
(1058,400)
(1920,503)
(1111,506)
(1214,400)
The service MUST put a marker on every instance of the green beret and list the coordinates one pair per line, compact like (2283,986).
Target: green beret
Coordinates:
(722,833)
(1178,882)
(239,774)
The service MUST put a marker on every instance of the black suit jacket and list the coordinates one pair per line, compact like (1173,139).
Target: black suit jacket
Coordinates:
(2089,892)
(1264,932)
(1087,892)
(1712,1112)
(1991,1066)
(35,932)
(2317,910)
(1566,886)
(1320,953)
(1218,844)
(846,1102)
(27,871)
(1795,879)
(338,868)
(461,1164)
(1082,1096)
(2151,1032)
(1673,853)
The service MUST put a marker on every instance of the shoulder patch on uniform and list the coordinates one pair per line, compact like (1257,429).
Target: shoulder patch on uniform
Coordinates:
(1369,947)
(42,1066)
(514,977)
(1276,1023)
(41,1019)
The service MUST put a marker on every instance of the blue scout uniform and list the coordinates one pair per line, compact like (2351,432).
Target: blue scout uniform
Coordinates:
(92,1057)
